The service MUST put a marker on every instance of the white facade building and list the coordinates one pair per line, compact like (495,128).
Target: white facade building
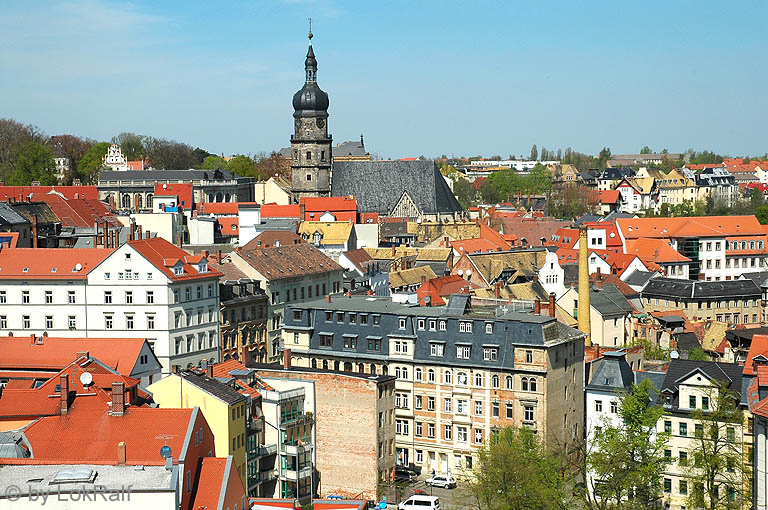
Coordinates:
(115,160)
(144,289)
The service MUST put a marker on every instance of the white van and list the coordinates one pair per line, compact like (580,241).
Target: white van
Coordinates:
(418,502)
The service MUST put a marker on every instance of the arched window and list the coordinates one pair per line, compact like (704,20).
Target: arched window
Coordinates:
(373,368)
(448,377)
(227,197)
(210,197)
(430,375)
(494,381)
(337,366)
(347,367)
(508,383)
(126,203)
(325,364)
(404,373)
(138,202)
(479,379)
(397,372)
(461,378)
(218,197)
(524,384)
(417,373)
(361,368)
(532,381)
(150,196)
(384,370)
(314,363)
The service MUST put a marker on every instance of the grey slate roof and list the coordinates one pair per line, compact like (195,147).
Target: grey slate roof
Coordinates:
(612,373)
(656,378)
(609,301)
(350,148)
(379,185)
(687,342)
(168,175)
(690,289)
(212,386)
(614,173)
(9,217)
(638,278)
(759,277)
(729,373)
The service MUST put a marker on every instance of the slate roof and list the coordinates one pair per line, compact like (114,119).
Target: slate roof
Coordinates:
(410,276)
(690,289)
(609,301)
(638,278)
(212,386)
(687,342)
(40,209)
(730,373)
(491,265)
(612,373)
(350,148)
(168,175)
(616,173)
(379,185)
(759,277)
(9,217)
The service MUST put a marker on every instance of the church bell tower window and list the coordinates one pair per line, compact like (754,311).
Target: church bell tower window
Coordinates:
(309,155)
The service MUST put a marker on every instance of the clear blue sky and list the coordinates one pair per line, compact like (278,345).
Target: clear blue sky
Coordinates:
(415,77)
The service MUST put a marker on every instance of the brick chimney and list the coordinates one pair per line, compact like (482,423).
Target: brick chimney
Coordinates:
(497,290)
(328,298)
(551,304)
(287,359)
(121,453)
(34,231)
(64,389)
(118,399)
(209,369)
(245,356)
(423,280)
(537,306)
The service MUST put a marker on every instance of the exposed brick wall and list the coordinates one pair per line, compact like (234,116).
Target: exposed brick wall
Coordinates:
(346,428)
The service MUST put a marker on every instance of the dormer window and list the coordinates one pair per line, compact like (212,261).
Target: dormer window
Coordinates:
(202,267)
(316,237)
(178,270)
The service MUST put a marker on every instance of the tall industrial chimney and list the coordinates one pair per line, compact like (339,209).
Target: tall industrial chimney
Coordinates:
(584,325)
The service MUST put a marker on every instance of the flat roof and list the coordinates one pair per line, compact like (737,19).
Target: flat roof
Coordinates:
(39,476)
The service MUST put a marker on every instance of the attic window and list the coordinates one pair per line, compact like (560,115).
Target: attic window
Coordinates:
(25,270)
(178,270)
(53,270)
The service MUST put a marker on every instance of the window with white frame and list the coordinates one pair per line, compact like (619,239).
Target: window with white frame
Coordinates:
(461,434)
(479,379)
(417,373)
(436,349)
(447,405)
(478,408)
(463,351)
(420,323)
(490,353)
(488,328)
(401,323)
(430,375)
(442,325)
(448,377)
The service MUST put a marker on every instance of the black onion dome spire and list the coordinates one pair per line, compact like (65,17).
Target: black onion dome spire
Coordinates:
(310,99)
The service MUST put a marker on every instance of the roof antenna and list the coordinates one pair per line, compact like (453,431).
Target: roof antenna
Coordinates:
(310,31)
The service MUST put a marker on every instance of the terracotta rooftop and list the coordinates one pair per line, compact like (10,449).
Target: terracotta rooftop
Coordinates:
(273,238)
(164,256)
(50,263)
(290,261)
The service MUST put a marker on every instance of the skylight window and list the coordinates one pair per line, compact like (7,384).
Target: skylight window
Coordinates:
(25,270)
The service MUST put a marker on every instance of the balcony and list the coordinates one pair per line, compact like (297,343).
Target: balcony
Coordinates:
(264,450)
(291,475)
(295,447)
(291,419)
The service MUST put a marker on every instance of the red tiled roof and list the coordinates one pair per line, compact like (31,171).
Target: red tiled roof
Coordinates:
(229,225)
(654,250)
(442,286)
(20,193)
(273,238)
(82,212)
(183,192)
(280,211)
(321,204)
(136,164)
(758,347)
(222,208)
(91,436)
(50,263)
(700,226)
(164,255)
(210,482)
(290,261)
(120,354)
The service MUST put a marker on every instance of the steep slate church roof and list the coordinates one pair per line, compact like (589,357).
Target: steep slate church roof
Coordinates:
(380,185)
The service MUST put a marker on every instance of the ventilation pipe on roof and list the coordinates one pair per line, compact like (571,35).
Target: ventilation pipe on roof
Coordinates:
(209,369)
(121,458)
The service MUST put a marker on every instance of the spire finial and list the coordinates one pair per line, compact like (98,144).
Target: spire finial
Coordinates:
(309,35)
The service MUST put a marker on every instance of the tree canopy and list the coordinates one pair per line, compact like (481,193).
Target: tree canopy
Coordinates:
(34,164)
(92,163)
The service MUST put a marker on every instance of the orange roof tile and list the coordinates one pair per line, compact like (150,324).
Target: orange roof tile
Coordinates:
(474,246)
(210,482)
(164,255)
(280,211)
(654,250)
(183,191)
(120,354)
(50,263)
(229,225)
(700,226)
(758,347)
(20,193)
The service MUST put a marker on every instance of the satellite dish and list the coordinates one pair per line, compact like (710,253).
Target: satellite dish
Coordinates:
(86,378)
(674,355)
(78,266)
(165,451)
(165,186)
(460,272)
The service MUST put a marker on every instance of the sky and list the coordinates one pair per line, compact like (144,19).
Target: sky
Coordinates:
(416,78)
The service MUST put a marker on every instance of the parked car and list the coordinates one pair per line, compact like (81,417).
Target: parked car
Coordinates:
(403,474)
(444,481)
(420,503)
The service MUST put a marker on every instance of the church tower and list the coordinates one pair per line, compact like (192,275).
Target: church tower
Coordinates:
(310,142)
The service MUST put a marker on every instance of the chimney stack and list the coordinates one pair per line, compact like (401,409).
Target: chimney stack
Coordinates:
(537,306)
(121,453)
(497,290)
(209,369)
(118,399)
(551,304)
(328,298)
(423,280)
(180,241)
(34,231)
(287,359)
(245,356)
(64,389)
(584,323)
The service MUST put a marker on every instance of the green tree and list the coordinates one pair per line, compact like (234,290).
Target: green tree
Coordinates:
(169,154)
(73,148)
(465,192)
(539,180)
(131,144)
(718,479)
(626,461)
(534,153)
(34,164)
(762,214)
(92,163)
(515,472)
(646,150)
(243,165)
(698,354)
(214,163)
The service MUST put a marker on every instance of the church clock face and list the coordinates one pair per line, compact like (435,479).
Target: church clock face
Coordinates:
(321,123)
